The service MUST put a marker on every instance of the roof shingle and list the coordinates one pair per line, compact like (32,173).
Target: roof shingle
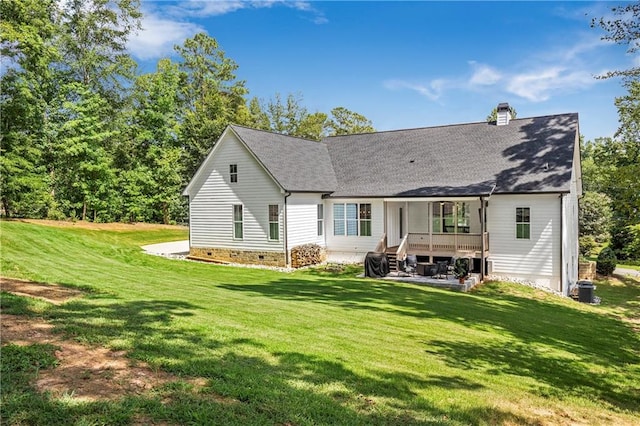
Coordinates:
(527,155)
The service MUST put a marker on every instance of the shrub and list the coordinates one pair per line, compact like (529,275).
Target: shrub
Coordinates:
(461,267)
(632,250)
(587,244)
(606,262)
(620,238)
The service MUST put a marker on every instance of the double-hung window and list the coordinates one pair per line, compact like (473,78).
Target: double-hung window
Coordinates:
(233,173)
(365,220)
(320,220)
(274,222)
(238,225)
(352,219)
(523,223)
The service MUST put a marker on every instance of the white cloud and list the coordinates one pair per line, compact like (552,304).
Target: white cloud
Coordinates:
(201,9)
(159,35)
(432,91)
(207,8)
(484,75)
(164,26)
(536,78)
(538,85)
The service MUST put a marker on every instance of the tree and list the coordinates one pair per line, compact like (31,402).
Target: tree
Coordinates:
(213,96)
(27,31)
(82,176)
(623,29)
(595,216)
(493,115)
(345,122)
(93,39)
(152,157)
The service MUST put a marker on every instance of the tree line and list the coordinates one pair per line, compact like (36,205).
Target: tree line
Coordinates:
(610,207)
(85,135)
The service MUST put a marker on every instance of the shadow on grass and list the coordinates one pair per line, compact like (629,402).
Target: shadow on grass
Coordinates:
(246,383)
(622,293)
(569,351)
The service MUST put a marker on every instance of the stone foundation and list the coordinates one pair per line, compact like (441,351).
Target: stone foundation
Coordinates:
(223,255)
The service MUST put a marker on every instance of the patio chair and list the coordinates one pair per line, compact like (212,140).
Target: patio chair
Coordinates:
(451,265)
(442,270)
(411,264)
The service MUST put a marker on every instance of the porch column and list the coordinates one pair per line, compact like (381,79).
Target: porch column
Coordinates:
(406,218)
(384,217)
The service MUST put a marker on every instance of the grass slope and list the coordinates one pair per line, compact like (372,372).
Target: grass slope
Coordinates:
(313,347)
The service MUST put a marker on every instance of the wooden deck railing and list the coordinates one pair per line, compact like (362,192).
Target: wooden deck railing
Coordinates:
(402,248)
(446,242)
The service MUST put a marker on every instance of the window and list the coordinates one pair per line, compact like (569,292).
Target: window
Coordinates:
(320,220)
(462,223)
(274,222)
(338,219)
(451,217)
(523,223)
(237,221)
(365,220)
(233,173)
(352,219)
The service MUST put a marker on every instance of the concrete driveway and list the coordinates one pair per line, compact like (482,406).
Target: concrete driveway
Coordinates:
(623,272)
(173,248)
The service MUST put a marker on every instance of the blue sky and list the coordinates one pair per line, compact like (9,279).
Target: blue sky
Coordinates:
(408,64)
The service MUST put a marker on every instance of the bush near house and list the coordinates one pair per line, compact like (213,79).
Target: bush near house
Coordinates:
(606,261)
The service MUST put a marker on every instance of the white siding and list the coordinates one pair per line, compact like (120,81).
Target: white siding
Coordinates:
(213,196)
(570,253)
(418,217)
(393,223)
(302,219)
(536,260)
(353,248)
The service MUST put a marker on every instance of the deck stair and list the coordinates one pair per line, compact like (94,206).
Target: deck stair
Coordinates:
(392,258)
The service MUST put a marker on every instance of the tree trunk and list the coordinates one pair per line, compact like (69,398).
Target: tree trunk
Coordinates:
(84,210)
(165,214)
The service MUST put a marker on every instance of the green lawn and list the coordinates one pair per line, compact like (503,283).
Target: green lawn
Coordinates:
(315,347)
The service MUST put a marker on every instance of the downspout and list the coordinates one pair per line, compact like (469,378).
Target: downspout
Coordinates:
(286,235)
(482,247)
(562,272)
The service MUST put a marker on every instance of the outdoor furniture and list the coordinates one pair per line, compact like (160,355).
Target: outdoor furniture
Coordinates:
(441,269)
(411,264)
(426,269)
(376,265)
(451,265)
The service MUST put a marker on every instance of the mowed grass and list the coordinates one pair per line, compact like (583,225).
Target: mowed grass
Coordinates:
(318,347)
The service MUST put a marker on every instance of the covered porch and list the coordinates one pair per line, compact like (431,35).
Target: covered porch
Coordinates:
(436,230)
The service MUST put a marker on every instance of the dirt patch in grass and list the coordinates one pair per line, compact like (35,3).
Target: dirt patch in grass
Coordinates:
(100,226)
(48,292)
(85,373)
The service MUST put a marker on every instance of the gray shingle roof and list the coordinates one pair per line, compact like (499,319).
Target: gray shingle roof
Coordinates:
(527,155)
(299,165)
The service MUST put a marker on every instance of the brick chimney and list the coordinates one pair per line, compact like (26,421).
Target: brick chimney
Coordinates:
(504,115)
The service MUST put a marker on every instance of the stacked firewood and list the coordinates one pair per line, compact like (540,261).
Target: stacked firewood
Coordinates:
(307,254)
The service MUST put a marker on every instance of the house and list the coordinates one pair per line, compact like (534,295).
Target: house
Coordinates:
(503,194)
